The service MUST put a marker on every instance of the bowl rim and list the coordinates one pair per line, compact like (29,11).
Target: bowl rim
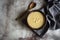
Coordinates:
(44,24)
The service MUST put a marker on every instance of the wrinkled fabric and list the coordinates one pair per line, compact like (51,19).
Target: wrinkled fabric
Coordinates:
(53,13)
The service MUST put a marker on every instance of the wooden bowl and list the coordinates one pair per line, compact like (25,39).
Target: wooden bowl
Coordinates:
(38,14)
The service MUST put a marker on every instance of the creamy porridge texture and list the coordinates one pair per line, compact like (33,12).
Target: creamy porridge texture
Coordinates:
(10,29)
(35,20)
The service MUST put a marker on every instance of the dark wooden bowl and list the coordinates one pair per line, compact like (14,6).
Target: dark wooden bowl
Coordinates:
(44,24)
